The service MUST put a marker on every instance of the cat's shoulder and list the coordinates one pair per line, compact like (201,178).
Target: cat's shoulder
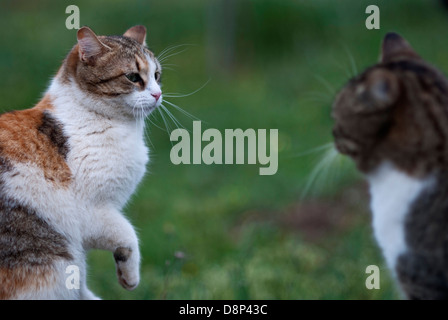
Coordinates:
(35,136)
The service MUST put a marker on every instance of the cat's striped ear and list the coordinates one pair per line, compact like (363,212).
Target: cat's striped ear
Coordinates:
(396,47)
(383,88)
(89,45)
(138,33)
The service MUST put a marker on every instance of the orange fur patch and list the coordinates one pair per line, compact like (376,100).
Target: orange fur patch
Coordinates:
(143,67)
(21,141)
(14,282)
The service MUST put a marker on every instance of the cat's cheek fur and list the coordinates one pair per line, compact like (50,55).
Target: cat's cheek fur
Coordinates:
(392,195)
(141,103)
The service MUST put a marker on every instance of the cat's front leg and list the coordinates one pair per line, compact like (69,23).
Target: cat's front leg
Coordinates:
(111,231)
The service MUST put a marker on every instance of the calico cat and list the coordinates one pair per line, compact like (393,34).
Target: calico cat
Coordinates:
(392,120)
(69,165)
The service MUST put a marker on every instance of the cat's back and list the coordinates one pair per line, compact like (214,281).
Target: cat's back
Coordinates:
(32,151)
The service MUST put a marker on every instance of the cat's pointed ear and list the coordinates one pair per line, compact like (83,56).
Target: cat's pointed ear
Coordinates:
(89,45)
(138,33)
(383,87)
(395,46)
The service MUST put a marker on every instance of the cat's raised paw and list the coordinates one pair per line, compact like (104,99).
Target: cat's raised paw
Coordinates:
(127,268)
(127,282)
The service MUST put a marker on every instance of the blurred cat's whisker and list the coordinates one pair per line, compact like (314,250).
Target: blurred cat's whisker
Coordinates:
(344,69)
(314,150)
(310,99)
(322,95)
(322,168)
(352,62)
(331,90)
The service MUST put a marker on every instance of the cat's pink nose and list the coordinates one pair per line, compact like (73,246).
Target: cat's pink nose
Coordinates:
(156,95)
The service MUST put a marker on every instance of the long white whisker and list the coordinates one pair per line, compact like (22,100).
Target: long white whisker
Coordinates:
(343,68)
(352,61)
(166,50)
(182,110)
(314,150)
(318,94)
(171,48)
(171,55)
(327,85)
(153,114)
(169,65)
(168,68)
(175,95)
(322,166)
(171,116)
(168,128)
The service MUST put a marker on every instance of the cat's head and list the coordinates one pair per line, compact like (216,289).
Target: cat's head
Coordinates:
(119,74)
(395,111)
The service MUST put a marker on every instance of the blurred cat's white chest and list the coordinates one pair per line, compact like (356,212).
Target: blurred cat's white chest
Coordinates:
(392,195)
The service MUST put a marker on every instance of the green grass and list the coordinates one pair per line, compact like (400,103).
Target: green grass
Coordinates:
(219,231)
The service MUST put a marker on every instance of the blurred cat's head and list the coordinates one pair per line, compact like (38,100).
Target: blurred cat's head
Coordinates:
(117,74)
(396,111)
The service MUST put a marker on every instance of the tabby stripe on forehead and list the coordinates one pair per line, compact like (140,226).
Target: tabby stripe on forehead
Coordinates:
(101,81)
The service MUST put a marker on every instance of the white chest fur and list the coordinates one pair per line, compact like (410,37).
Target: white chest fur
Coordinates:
(109,165)
(392,194)
(107,156)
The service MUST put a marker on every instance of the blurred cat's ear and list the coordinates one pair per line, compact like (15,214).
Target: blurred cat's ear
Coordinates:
(89,44)
(395,46)
(138,33)
(383,87)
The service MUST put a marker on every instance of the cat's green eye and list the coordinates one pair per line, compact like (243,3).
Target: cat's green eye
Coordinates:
(157,76)
(134,77)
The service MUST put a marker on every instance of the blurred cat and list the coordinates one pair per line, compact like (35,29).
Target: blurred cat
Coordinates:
(392,120)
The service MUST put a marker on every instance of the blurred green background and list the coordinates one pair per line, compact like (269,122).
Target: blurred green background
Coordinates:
(223,231)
